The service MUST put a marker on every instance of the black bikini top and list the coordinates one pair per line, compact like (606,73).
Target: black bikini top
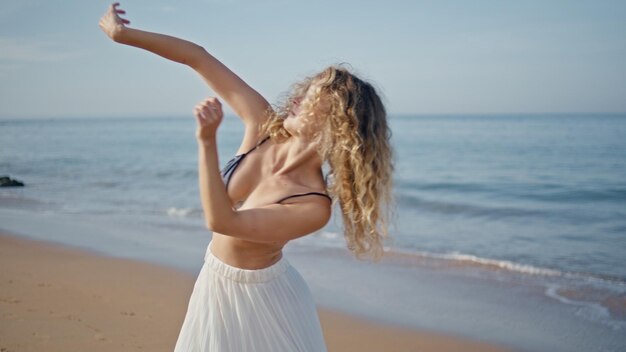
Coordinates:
(231,165)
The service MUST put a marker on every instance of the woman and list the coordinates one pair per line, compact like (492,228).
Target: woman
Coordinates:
(247,296)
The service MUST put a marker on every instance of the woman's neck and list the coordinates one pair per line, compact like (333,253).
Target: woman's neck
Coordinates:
(297,159)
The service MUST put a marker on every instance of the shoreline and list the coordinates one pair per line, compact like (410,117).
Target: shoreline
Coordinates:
(57,298)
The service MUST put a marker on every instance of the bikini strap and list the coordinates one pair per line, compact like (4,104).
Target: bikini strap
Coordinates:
(306,194)
(258,144)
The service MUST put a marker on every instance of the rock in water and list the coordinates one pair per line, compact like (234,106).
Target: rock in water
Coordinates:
(6,181)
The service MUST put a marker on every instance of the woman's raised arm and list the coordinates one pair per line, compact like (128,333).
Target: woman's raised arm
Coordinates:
(243,99)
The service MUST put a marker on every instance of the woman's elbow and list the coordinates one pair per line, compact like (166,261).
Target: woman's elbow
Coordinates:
(217,226)
(212,226)
(196,56)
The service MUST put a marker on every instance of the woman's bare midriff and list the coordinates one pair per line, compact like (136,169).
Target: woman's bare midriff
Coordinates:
(245,254)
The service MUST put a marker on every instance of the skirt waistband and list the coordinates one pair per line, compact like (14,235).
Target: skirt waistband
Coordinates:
(245,275)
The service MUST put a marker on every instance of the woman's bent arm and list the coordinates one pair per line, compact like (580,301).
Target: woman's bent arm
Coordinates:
(247,103)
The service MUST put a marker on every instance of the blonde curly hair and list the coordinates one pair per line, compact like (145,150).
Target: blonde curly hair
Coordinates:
(355,141)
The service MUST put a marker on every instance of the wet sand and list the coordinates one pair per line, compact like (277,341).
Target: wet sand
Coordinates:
(59,298)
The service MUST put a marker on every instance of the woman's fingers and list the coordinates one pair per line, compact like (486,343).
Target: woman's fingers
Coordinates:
(211,101)
(199,116)
(117,14)
(210,113)
(207,113)
(212,104)
(117,11)
(123,20)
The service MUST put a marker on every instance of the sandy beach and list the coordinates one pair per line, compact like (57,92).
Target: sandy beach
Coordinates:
(58,298)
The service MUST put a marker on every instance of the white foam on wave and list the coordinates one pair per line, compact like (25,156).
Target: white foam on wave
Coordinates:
(487,262)
(329,235)
(534,270)
(504,264)
(322,239)
(179,212)
(612,282)
(591,310)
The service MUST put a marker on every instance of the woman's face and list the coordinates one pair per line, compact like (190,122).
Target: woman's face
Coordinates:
(296,123)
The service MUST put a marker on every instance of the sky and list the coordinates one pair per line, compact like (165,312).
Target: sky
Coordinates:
(424,57)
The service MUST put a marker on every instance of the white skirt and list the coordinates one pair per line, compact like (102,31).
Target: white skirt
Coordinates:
(238,310)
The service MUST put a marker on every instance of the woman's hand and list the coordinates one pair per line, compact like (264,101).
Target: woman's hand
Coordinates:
(209,116)
(111,23)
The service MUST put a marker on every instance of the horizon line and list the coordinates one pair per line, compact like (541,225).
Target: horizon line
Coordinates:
(389,114)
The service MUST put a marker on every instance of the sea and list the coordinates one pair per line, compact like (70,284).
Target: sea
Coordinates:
(508,228)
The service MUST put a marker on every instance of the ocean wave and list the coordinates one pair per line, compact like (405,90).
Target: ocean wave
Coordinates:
(462,259)
(543,191)
(334,239)
(106,184)
(456,208)
(470,187)
(571,194)
(487,263)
